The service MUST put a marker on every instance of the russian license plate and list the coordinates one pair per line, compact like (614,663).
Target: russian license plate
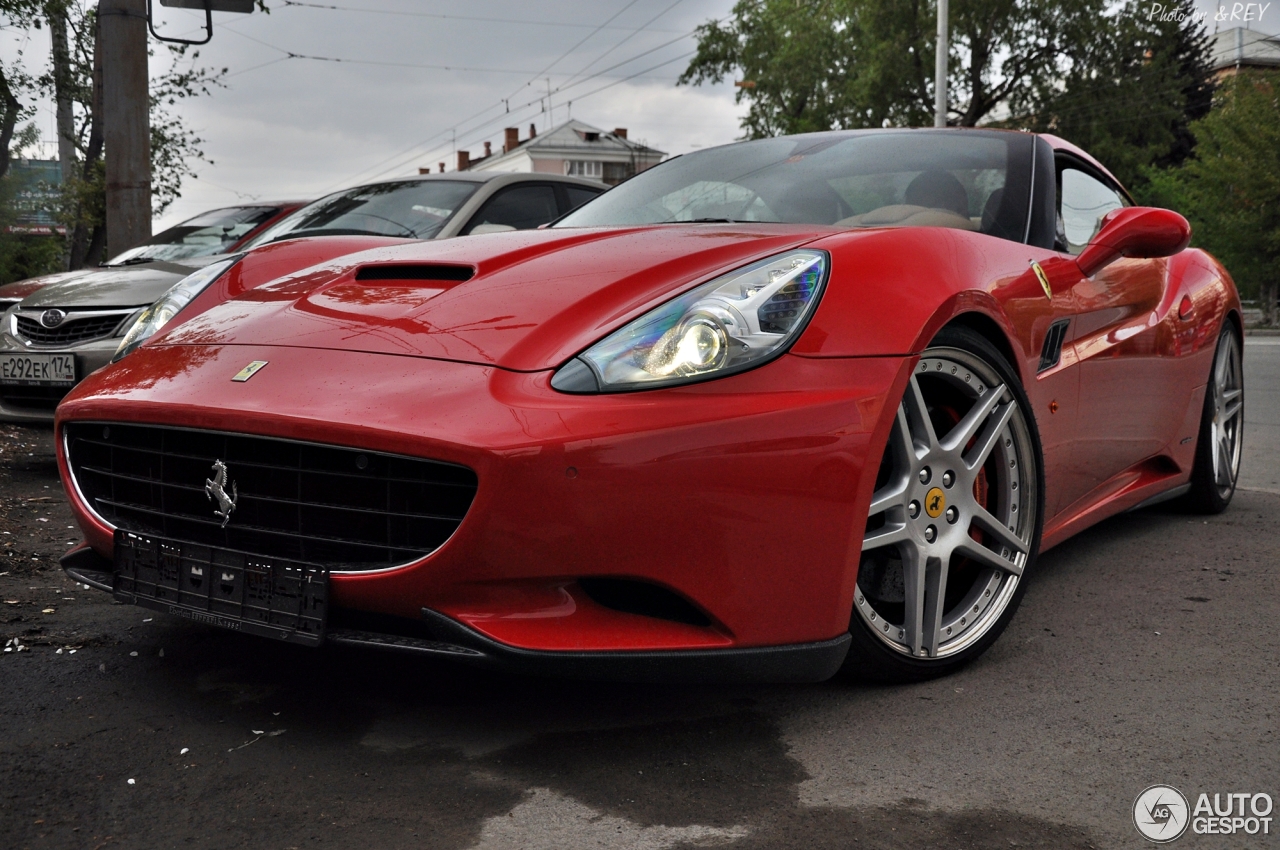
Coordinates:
(37,369)
(270,597)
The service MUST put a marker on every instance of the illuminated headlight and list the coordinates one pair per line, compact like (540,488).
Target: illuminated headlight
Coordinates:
(151,320)
(737,321)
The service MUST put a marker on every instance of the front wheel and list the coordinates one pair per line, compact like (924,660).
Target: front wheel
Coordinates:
(955,519)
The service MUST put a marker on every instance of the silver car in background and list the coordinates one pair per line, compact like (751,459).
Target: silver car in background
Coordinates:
(54,337)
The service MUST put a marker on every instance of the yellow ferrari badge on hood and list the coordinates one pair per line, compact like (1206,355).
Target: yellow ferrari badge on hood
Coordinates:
(249,371)
(1043,278)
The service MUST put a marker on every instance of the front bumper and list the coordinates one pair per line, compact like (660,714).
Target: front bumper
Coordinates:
(745,496)
(28,404)
(440,636)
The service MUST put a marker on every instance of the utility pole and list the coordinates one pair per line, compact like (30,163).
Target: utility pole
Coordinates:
(126,122)
(940,68)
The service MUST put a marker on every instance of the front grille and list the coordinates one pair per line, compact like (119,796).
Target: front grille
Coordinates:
(73,330)
(33,398)
(341,508)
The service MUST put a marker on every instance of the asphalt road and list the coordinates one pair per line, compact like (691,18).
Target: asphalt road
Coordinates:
(1145,652)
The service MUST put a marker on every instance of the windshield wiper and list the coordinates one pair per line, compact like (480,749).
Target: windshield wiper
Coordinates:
(132,261)
(327,231)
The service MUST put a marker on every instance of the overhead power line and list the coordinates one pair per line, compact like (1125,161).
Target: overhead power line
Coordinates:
(504,104)
(439,16)
(431,154)
(624,40)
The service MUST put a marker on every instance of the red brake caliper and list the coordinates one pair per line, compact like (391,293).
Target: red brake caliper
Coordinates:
(981,491)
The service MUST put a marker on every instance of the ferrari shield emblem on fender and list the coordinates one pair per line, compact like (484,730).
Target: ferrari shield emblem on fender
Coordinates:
(1043,278)
(249,371)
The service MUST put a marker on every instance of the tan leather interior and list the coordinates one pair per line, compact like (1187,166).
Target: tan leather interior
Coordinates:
(909,215)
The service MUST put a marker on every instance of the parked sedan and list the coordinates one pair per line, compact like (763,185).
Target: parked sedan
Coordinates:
(763,411)
(58,328)
(55,336)
(220,231)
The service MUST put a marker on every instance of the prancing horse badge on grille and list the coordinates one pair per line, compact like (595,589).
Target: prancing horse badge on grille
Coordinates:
(216,489)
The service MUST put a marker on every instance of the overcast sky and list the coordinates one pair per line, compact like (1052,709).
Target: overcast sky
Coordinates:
(417,73)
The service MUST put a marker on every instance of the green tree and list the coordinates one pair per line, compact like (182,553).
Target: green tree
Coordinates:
(74,83)
(823,64)
(75,73)
(1121,81)
(1230,188)
(1132,89)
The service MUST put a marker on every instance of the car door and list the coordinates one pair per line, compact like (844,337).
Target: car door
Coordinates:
(523,206)
(1128,398)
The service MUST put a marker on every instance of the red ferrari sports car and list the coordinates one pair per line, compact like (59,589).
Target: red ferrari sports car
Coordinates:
(762,412)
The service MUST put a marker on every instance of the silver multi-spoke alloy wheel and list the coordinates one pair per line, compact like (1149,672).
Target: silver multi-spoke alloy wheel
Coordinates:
(953,520)
(1227,387)
(1217,462)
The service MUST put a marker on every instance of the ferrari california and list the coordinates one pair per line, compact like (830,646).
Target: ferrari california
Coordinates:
(764,411)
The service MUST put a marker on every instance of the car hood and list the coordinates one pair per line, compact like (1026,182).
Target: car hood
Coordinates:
(22,288)
(533,298)
(116,286)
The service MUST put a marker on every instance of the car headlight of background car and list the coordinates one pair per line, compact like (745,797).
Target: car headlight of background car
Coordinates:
(737,321)
(155,317)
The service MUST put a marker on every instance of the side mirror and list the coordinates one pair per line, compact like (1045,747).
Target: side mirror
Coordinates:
(1134,232)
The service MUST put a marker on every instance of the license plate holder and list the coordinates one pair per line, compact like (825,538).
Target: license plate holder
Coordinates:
(38,370)
(270,597)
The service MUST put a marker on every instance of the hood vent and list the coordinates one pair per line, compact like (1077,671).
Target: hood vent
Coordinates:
(416,272)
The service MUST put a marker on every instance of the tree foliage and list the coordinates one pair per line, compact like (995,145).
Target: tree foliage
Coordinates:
(1114,78)
(76,76)
(1230,188)
(823,64)
(1132,91)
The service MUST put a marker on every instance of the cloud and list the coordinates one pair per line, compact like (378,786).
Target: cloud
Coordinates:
(300,127)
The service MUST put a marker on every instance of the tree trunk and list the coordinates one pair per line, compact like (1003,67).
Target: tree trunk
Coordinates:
(1268,296)
(87,243)
(61,56)
(11,108)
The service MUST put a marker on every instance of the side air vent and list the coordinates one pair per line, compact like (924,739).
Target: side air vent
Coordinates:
(453,274)
(640,597)
(1052,351)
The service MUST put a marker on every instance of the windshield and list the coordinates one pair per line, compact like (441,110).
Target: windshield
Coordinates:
(414,209)
(970,180)
(211,233)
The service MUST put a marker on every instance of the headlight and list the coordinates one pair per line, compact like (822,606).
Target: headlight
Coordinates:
(155,317)
(735,322)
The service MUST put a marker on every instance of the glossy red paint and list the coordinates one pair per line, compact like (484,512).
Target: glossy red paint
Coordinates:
(269,262)
(538,297)
(748,494)
(789,442)
(1134,232)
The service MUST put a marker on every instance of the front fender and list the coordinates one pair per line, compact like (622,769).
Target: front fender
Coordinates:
(892,290)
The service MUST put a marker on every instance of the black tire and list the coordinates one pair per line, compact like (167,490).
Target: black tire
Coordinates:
(876,654)
(1210,491)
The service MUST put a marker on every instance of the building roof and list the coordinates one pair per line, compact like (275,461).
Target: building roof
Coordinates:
(574,139)
(1245,48)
